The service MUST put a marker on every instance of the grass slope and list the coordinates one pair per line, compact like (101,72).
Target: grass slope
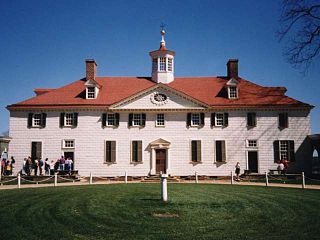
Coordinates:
(128,212)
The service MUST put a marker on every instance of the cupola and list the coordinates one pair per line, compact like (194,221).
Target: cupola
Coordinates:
(162,63)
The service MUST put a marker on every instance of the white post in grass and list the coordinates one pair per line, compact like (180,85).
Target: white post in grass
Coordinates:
(0,170)
(90,180)
(164,189)
(267,180)
(126,177)
(19,180)
(196,175)
(231,177)
(303,181)
(55,179)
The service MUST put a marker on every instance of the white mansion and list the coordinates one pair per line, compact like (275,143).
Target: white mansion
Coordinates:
(177,125)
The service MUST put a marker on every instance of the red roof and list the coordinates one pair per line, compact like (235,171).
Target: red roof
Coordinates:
(209,90)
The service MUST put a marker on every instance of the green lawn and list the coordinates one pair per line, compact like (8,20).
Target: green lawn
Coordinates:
(134,211)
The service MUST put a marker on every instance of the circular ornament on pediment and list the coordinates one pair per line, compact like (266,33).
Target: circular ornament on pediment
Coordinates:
(158,98)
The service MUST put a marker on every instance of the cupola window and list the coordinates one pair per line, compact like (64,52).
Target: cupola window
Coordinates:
(162,64)
(170,64)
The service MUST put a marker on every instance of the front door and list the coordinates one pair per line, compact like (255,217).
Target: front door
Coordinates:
(70,155)
(253,161)
(161,160)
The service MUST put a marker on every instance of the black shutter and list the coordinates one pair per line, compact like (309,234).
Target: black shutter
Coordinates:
(108,151)
(113,151)
(188,119)
(139,145)
(225,119)
(198,151)
(213,119)
(218,151)
(254,119)
(283,120)
(75,119)
(276,151)
(223,151)
(43,120)
(62,119)
(104,119)
(143,119)
(30,116)
(193,151)
(202,118)
(117,118)
(291,151)
(249,120)
(130,119)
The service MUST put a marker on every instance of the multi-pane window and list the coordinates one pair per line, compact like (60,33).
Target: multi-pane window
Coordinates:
(195,150)
(252,143)
(154,65)
(69,119)
(160,119)
(283,150)
(170,64)
(233,92)
(68,143)
(162,64)
(195,119)
(136,121)
(110,119)
(220,151)
(110,151)
(37,119)
(219,119)
(91,92)
(136,151)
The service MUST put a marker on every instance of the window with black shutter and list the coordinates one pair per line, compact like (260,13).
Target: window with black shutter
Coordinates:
(284,150)
(137,119)
(220,151)
(251,119)
(43,120)
(196,151)
(110,151)
(283,120)
(136,151)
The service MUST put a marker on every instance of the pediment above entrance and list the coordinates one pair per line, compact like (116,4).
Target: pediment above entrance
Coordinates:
(160,143)
(159,97)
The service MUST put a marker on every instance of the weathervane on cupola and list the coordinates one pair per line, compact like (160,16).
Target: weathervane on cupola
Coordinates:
(162,62)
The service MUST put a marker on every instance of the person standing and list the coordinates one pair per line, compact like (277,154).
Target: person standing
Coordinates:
(237,171)
(62,163)
(47,166)
(35,166)
(41,163)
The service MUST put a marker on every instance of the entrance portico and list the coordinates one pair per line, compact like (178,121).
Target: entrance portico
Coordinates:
(160,156)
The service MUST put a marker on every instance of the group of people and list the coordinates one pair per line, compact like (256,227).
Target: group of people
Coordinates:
(7,166)
(37,166)
(282,166)
(32,167)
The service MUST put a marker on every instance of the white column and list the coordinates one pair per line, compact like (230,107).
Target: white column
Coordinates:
(153,161)
(164,189)
(303,181)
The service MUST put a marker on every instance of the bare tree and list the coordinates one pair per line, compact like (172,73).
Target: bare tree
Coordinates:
(300,26)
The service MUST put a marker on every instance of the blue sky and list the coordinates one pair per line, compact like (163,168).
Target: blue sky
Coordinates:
(44,44)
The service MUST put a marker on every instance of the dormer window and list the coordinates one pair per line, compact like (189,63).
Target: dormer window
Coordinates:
(233,92)
(91,92)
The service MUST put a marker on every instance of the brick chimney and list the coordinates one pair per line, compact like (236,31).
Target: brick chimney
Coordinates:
(91,69)
(232,68)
